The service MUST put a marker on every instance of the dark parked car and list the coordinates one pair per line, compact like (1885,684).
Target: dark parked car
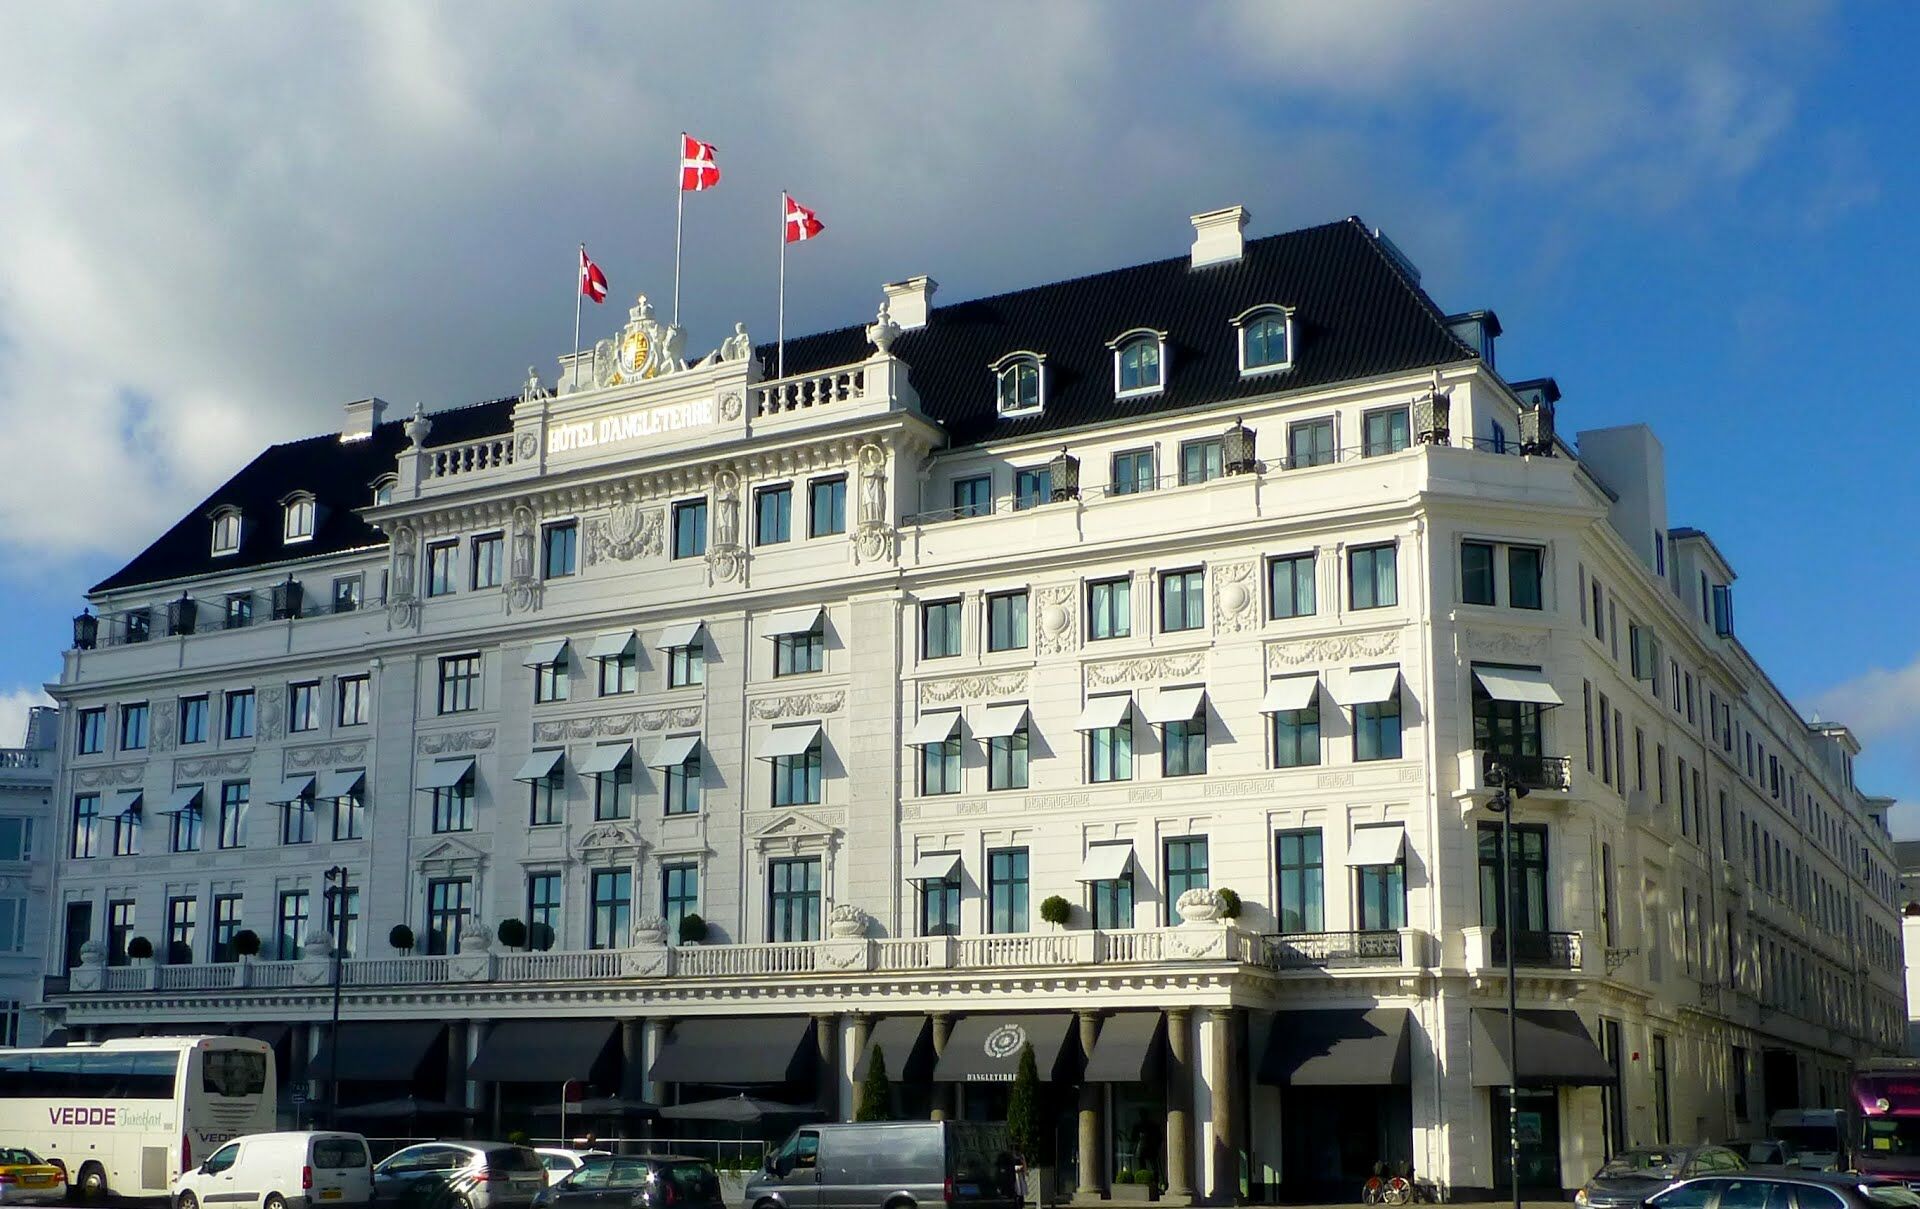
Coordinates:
(638,1182)
(1632,1176)
(1787,1190)
(459,1175)
(1766,1152)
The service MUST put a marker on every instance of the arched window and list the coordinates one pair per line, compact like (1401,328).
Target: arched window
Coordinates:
(1266,339)
(1139,359)
(226,531)
(298,523)
(1019,384)
(383,491)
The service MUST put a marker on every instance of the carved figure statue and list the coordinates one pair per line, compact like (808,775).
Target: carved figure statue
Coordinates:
(726,508)
(418,427)
(670,351)
(533,390)
(873,485)
(738,346)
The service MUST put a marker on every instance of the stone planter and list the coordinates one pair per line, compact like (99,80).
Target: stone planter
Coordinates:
(1132,1194)
(1199,906)
(846,922)
(649,931)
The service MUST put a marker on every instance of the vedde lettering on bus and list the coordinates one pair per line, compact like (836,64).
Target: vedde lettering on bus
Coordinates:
(630,426)
(75,1114)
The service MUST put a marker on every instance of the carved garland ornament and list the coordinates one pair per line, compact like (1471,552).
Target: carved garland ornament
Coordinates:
(125,774)
(800,705)
(614,725)
(1332,650)
(974,688)
(1512,646)
(326,757)
(454,741)
(1149,668)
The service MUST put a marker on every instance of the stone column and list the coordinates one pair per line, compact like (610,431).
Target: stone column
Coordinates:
(457,1061)
(859,1030)
(1226,1110)
(1092,1134)
(1179,1105)
(827,1086)
(942,1094)
(654,1040)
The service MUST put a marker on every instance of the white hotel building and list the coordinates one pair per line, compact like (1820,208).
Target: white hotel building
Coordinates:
(1231,572)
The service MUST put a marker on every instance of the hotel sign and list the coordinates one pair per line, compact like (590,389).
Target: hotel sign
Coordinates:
(630,426)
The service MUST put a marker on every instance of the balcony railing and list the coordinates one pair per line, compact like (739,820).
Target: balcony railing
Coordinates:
(25,757)
(1534,772)
(1537,950)
(227,611)
(1310,950)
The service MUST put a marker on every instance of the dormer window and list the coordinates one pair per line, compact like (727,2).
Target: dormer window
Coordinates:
(226,531)
(298,523)
(383,491)
(1139,362)
(1020,380)
(1266,339)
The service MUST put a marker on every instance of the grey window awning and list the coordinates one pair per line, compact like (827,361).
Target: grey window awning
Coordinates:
(546,654)
(674,637)
(342,784)
(1001,721)
(794,621)
(541,764)
(1339,1047)
(906,1047)
(674,750)
(1368,686)
(1288,693)
(292,789)
(617,645)
(1127,1048)
(184,799)
(607,758)
(1104,713)
(1106,862)
(735,1049)
(935,867)
(1376,844)
(445,774)
(542,1051)
(1527,685)
(986,1048)
(1175,705)
(783,741)
(391,1050)
(934,728)
(1555,1050)
(132,801)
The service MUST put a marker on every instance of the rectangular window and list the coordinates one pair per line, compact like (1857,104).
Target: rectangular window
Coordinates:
(793,899)
(1109,609)
(193,719)
(1007,760)
(133,727)
(1609,908)
(453,806)
(459,684)
(353,696)
(183,920)
(1310,443)
(303,706)
(1133,472)
(1476,573)
(543,911)
(940,766)
(1113,901)
(1376,729)
(1290,586)
(560,550)
(226,922)
(139,623)
(1526,570)
(346,593)
(1032,487)
(1202,461)
(773,515)
(798,654)
(682,783)
(610,926)
(940,907)
(119,930)
(826,507)
(350,815)
(619,673)
(1300,906)
(546,798)
(16,838)
(292,933)
(690,529)
(90,732)
(126,830)
(1183,601)
(1186,869)
(440,567)
(1296,736)
(1384,431)
(296,820)
(1110,752)
(1380,896)
(1599,615)
(973,496)
(687,665)
(239,610)
(1373,580)
(796,779)
(342,909)
(1183,748)
(233,813)
(1606,745)
(940,629)
(238,721)
(447,910)
(679,895)
(613,793)
(552,681)
(1007,890)
(1527,877)
(1007,621)
(1662,1104)
(489,561)
(86,826)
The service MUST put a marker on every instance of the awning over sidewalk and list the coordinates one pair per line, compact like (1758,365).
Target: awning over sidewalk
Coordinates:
(542,1051)
(736,1049)
(1339,1047)
(986,1048)
(1555,1050)
(907,1044)
(1128,1046)
(391,1050)
(1527,685)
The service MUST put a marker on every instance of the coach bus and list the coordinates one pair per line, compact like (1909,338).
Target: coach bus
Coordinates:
(1886,1103)
(128,1116)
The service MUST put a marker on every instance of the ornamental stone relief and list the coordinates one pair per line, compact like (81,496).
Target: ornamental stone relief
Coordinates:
(1234,594)
(609,726)
(273,713)
(524,589)
(1057,616)
(1058,801)
(800,705)
(875,543)
(1507,645)
(974,688)
(331,755)
(1332,650)
(1147,668)
(125,774)
(1238,789)
(611,836)
(165,713)
(628,532)
(454,741)
(209,766)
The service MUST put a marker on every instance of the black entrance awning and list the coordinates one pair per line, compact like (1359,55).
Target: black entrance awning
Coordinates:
(1339,1047)
(1555,1050)
(906,1042)
(1127,1047)
(59,1036)
(735,1050)
(273,1032)
(542,1051)
(986,1049)
(390,1050)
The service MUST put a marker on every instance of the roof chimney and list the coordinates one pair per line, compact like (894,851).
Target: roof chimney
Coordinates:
(1217,235)
(909,301)
(363,416)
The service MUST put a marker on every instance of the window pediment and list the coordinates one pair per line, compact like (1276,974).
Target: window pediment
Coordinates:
(795,831)
(1266,338)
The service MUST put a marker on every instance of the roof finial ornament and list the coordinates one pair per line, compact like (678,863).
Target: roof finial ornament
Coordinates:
(418,427)
(882,332)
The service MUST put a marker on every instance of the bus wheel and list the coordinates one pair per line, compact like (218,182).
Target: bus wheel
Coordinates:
(93,1181)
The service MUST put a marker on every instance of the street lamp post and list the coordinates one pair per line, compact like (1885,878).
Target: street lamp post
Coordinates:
(337,905)
(1505,791)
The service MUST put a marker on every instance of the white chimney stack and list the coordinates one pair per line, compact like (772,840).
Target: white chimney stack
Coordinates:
(363,416)
(1217,236)
(909,301)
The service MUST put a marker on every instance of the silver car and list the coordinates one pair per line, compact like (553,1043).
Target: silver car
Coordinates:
(903,1164)
(459,1175)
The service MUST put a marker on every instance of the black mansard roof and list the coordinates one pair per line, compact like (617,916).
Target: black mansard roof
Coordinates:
(1356,314)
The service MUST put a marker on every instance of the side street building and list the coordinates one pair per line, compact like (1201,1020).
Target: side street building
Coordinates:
(29,843)
(705,731)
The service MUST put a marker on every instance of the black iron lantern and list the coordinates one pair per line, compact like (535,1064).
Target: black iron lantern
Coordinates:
(86,631)
(1536,430)
(1064,474)
(181,614)
(286,599)
(1433,418)
(1237,449)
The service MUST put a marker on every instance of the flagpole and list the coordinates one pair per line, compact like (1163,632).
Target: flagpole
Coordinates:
(780,337)
(579,291)
(679,211)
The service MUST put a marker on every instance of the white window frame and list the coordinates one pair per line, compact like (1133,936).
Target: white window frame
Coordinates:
(300,505)
(384,485)
(221,517)
(1009,361)
(1240,323)
(1127,339)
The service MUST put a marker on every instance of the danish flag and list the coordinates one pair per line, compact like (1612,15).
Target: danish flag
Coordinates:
(801,222)
(593,283)
(697,167)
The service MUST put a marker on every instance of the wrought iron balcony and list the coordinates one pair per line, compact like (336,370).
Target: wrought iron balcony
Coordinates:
(1311,950)
(1536,950)
(1534,772)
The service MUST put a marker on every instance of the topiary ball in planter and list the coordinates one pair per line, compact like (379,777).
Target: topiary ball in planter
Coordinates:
(1229,904)
(512,933)
(693,929)
(140,948)
(1056,910)
(246,943)
(401,938)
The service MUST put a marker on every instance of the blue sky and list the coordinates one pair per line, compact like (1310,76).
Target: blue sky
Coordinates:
(219,223)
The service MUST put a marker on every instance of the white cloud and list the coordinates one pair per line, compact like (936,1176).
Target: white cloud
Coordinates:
(14,704)
(1882,708)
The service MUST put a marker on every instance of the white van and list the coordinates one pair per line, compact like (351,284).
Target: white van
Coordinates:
(302,1170)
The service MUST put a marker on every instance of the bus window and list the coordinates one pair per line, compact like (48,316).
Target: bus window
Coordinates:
(232,1072)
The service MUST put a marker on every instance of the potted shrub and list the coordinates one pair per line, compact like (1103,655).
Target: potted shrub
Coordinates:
(512,933)
(693,929)
(1133,1184)
(1229,904)
(140,949)
(246,944)
(179,953)
(1028,1128)
(876,1094)
(1056,910)
(540,936)
(401,938)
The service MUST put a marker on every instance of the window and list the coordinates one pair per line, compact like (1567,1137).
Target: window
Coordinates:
(346,593)
(940,906)
(552,681)
(1183,748)
(973,496)
(350,813)
(1296,735)
(1263,342)
(126,829)
(1136,366)
(1007,759)
(799,654)
(560,550)
(620,671)
(459,684)
(292,932)
(1202,461)
(1527,877)
(1300,906)
(1525,571)
(16,838)
(1376,729)
(613,790)
(489,561)
(690,529)
(611,923)
(1383,432)
(296,820)
(1110,752)
(1497,436)
(303,706)
(1017,386)
(298,523)
(239,610)
(683,784)
(940,629)
(940,766)
(383,491)
(342,909)
(90,731)
(687,665)
(1476,573)
(226,532)
(353,698)
(440,567)
(1007,890)
(1310,443)
(1510,730)
(193,719)
(1662,1104)
(1109,609)
(133,727)
(233,813)
(447,911)
(183,832)
(793,899)
(453,806)
(1290,586)
(237,722)
(183,918)
(1007,621)
(1723,611)
(1380,896)
(86,826)
(1032,487)
(119,930)
(1112,900)
(1186,865)
(543,910)
(773,515)
(226,922)
(139,623)
(1373,579)
(796,779)
(679,895)
(1183,600)
(826,507)
(1133,472)
(545,797)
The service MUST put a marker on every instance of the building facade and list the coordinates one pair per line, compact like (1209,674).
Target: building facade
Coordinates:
(29,843)
(1122,666)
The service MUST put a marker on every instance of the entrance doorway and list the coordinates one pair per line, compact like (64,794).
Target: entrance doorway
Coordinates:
(1779,1080)
(1539,1127)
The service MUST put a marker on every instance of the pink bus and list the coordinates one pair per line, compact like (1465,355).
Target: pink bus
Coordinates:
(1886,1102)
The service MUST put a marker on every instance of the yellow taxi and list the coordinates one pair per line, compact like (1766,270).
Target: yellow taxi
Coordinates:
(25,1179)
